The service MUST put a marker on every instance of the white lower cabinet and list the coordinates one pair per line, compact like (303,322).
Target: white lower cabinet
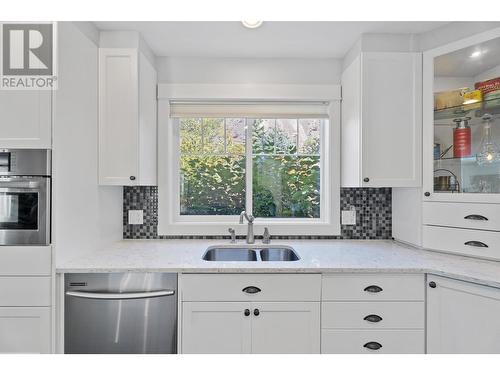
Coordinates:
(243,328)
(25,299)
(258,315)
(462,317)
(25,330)
(286,327)
(373,313)
(215,327)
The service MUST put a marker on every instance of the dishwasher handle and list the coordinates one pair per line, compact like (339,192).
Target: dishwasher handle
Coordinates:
(121,296)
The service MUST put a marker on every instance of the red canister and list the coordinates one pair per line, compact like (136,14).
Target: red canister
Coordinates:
(462,138)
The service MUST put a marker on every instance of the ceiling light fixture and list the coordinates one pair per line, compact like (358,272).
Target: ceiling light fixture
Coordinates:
(250,24)
(476,54)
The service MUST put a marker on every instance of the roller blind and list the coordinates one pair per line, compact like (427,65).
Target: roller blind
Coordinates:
(254,109)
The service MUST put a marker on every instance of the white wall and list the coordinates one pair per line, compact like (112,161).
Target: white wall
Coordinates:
(381,43)
(452,83)
(125,39)
(488,74)
(452,32)
(85,216)
(236,70)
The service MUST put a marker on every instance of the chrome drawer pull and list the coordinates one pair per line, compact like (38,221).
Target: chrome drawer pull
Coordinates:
(475,244)
(373,289)
(121,296)
(372,318)
(476,217)
(372,345)
(251,289)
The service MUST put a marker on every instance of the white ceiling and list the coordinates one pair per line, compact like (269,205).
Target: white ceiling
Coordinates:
(271,40)
(460,63)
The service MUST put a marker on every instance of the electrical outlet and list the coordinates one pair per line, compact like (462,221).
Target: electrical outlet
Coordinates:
(135,217)
(349,217)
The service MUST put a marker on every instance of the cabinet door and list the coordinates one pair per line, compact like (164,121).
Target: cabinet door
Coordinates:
(286,327)
(391,119)
(26,119)
(147,122)
(118,116)
(215,327)
(24,330)
(462,317)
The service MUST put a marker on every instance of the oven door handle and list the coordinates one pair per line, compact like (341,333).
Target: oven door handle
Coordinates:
(121,296)
(20,190)
(22,186)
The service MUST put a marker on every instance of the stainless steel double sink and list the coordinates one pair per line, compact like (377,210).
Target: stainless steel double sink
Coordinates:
(278,253)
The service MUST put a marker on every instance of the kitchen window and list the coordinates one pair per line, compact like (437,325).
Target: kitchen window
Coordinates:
(270,167)
(275,160)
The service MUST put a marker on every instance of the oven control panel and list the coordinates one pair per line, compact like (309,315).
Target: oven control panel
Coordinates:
(25,162)
(5,162)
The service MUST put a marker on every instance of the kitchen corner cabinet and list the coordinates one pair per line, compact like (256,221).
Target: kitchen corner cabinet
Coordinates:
(461,147)
(26,119)
(276,313)
(461,133)
(127,118)
(381,120)
(462,317)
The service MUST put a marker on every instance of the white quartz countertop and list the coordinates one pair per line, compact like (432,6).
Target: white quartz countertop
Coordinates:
(316,256)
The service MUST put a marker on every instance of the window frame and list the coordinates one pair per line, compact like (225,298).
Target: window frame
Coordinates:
(170,222)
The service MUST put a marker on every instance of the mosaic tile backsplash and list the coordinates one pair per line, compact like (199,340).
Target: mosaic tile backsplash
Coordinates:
(373,206)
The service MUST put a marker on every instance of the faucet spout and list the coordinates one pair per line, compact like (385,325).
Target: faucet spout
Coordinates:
(250,219)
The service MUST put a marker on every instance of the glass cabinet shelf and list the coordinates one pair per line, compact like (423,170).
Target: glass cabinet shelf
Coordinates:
(473,110)
(470,173)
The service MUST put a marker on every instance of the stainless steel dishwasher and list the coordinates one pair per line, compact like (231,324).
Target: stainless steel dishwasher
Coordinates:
(129,313)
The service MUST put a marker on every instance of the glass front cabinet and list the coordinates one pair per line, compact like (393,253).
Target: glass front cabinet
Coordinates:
(462,121)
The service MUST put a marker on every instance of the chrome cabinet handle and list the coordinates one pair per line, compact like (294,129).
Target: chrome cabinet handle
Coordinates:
(476,217)
(251,290)
(373,289)
(373,345)
(475,244)
(121,296)
(372,318)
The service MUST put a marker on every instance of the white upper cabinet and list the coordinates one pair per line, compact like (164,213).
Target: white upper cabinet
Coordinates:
(127,118)
(461,109)
(381,120)
(26,119)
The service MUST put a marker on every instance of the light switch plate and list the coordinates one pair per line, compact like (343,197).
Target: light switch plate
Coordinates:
(135,217)
(348,217)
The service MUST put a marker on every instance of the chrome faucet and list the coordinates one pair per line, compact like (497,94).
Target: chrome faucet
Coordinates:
(250,219)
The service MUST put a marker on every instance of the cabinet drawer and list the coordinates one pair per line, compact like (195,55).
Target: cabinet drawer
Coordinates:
(263,287)
(462,215)
(478,243)
(25,330)
(25,260)
(372,315)
(25,291)
(373,287)
(353,342)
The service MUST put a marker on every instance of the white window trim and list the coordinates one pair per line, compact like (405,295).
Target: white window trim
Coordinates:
(169,223)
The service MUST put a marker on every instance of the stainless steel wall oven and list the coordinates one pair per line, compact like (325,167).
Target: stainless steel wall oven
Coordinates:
(25,192)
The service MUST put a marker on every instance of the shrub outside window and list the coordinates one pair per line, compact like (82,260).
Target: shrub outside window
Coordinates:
(271,167)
